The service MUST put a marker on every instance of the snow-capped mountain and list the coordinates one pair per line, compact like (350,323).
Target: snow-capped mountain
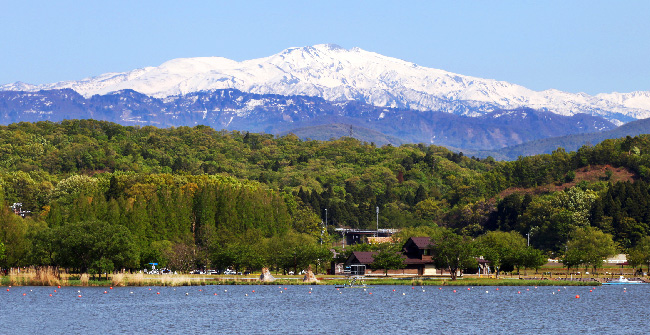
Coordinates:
(337,74)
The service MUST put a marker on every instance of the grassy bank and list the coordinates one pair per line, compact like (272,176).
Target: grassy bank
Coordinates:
(50,277)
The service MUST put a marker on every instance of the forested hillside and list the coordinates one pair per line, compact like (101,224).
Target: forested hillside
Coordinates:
(193,197)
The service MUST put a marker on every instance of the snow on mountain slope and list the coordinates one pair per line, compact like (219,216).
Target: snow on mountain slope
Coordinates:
(338,74)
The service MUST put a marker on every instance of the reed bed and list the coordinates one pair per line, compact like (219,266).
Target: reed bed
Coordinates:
(85,279)
(33,276)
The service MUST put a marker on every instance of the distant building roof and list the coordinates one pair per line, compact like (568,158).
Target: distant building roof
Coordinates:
(363,257)
(421,242)
(375,240)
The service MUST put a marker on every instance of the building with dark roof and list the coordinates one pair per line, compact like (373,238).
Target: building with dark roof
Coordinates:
(417,255)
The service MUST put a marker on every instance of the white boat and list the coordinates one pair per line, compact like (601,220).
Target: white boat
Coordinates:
(622,280)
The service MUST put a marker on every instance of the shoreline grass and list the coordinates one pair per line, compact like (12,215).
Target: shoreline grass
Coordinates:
(138,279)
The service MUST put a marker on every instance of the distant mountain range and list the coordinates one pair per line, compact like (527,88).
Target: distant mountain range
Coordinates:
(235,110)
(319,91)
(337,74)
(568,142)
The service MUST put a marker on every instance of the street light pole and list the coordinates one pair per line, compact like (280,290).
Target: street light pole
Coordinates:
(325,218)
(377,233)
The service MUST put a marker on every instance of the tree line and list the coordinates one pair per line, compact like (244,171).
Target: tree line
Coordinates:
(198,196)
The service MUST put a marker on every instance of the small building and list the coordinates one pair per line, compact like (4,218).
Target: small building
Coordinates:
(417,255)
(359,262)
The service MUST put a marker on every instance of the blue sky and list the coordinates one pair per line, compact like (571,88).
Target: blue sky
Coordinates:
(575,46)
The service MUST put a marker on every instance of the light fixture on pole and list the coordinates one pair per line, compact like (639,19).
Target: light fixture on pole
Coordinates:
(377,233)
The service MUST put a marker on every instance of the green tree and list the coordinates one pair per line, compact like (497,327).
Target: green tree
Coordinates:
(588,246)
(387,258)
(80,244)
(502,249)
(453,252)
(640,254)
(102,265)
(2,254)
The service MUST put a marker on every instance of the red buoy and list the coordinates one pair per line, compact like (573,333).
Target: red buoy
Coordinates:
(577,296)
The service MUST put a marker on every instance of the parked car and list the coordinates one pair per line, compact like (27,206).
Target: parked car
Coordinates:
(229,272)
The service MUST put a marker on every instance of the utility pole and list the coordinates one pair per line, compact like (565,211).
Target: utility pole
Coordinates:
(325,218)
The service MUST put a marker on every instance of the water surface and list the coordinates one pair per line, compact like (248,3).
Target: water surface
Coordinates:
(324,310)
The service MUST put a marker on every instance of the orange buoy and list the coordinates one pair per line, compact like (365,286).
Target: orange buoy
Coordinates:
(497,288)
(577,296)
(79,296)
(111,287)
(50,294)
(368,293)
(24,293)
(105,292)
(157,292)
(454,291)
(518,292)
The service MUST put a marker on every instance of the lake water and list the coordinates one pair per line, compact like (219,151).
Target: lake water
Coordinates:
(326,310)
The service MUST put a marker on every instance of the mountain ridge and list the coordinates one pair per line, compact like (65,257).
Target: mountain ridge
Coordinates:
(273,114)
(337,74)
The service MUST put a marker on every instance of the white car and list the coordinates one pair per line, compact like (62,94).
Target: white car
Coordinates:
(229,272)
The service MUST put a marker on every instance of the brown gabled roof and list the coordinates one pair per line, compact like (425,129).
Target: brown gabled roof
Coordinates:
(364,257)
(421,242)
